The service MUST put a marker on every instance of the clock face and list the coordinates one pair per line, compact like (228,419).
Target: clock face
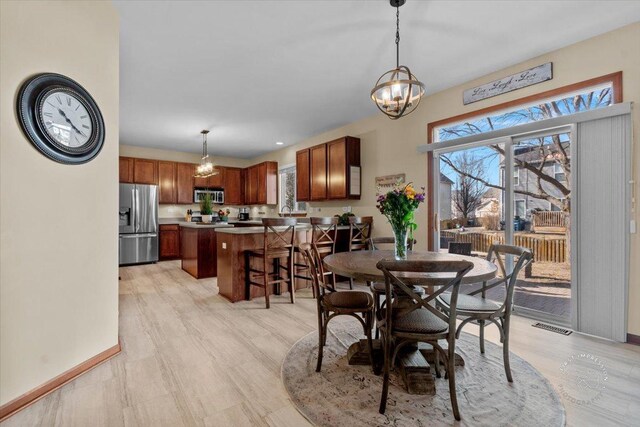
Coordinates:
(66,119)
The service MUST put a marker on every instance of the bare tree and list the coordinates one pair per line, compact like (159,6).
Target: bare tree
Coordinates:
(468,189)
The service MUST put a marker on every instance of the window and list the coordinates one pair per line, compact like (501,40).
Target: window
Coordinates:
(568,103)
(520,208)
(554,208)
(287,181)
(558,172)
(516,176)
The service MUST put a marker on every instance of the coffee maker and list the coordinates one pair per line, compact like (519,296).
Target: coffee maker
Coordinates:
(243,214)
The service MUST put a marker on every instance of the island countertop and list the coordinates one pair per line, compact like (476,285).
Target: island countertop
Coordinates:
(217,225)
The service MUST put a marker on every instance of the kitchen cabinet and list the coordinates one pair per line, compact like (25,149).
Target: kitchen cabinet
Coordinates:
(184,183)
(210,181)
(167,182)
(145,171)
(233,186)
(329,171)
(261,184)
(169,241)
(343,169)
(303,176)
(318,167)
(126,169)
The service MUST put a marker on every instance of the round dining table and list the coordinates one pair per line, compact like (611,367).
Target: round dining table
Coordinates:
(413,361)
(361,265)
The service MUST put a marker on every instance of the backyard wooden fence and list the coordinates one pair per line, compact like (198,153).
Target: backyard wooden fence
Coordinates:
(544,248)
(549,222)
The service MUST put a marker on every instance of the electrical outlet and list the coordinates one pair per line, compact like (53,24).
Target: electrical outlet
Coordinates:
(224,245)
(346,209)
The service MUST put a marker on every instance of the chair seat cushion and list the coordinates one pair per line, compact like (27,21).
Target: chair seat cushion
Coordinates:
(350,299)
(470,303)
(420,321)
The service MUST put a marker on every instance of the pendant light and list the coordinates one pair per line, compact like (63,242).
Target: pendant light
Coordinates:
(397,92)
(205,168)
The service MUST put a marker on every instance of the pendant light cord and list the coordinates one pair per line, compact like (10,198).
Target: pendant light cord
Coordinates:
(397,36)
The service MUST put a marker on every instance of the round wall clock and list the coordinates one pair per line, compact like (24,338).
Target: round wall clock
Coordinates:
(60,118)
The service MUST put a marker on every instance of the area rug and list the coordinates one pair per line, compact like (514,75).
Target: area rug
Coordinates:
(344,395)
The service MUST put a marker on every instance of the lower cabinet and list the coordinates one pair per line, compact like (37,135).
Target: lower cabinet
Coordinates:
(169,241)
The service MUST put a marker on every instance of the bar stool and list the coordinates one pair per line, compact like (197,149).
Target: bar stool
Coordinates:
(359,235)
(324,233)
(278,244)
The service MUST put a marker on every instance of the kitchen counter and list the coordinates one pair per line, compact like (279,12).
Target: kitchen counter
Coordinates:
(203,225)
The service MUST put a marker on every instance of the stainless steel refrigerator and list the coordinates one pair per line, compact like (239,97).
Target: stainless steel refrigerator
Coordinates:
(138,219)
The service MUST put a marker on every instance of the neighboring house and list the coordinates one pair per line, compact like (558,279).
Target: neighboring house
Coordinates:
(445,197)
(525,180)
(490,204)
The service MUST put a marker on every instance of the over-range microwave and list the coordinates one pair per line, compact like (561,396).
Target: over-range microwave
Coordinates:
(217,196)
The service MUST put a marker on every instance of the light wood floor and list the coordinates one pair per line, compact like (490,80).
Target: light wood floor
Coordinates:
(191,358)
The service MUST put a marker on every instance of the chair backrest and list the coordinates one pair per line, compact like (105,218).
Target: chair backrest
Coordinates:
(378,243)
(401,276)
(324,234)
(497,253)
(314,262)
(279,233)
(359,232)
(460,248)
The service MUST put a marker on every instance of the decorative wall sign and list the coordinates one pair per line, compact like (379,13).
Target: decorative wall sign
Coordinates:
(530,77)
(60,118)
(389,180)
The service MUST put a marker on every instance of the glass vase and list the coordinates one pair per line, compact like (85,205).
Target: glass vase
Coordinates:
(400,234)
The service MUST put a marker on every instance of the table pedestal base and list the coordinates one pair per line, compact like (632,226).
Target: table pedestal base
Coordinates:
(413,364)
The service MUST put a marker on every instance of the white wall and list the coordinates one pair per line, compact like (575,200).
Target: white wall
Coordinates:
(58,223)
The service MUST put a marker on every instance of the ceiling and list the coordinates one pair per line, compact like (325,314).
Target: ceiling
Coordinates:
(257,72)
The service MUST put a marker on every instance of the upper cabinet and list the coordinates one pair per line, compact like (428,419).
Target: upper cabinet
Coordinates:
(184,183)
(303,176)
(126,169)
(329,171)
(167,182)
(233,188)
(343,168)
(261,184)
(318,172)
(257,184)
(145,171)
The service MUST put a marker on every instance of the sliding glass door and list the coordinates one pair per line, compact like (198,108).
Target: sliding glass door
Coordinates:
(513,191)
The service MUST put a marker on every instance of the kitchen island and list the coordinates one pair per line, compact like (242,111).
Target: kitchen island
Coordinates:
(198,248)
(232,243)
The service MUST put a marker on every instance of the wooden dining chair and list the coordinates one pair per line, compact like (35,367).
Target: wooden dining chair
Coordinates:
(359,234)
(460,248)
(278,244)
(378,288)
(324,232)
(479,309)
(409,318)
(331,303)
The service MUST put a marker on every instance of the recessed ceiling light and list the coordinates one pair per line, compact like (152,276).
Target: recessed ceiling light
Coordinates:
(279,143)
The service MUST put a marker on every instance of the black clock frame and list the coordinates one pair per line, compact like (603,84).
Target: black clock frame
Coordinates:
(29,105)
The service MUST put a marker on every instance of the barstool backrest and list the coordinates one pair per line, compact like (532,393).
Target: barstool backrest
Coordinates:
(279,233)
(324,234)
(359,232)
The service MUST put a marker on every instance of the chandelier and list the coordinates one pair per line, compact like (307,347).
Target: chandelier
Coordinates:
(205,168)
(397,92)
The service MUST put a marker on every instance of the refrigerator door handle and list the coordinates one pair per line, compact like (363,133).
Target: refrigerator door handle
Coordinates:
(138,236)
(136,203)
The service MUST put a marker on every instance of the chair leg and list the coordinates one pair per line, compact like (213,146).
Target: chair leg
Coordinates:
(369,323)
(350,283)
(247,276)
(481,322)
(451,361)
(385,377)
(436,358)
(321,341)
(265,275)
(505,350)
(376,299)
(292,280)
